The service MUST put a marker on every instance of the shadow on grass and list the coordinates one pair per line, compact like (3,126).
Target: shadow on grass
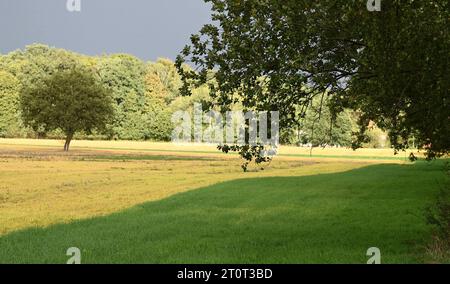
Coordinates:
(329,218)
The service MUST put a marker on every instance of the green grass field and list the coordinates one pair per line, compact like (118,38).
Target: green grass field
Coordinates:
(193,208)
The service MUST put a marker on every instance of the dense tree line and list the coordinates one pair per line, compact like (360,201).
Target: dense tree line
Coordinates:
(142,96)
(142,93)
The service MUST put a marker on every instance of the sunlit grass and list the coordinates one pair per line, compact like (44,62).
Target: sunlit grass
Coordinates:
(317,218)
(134,202)
(41,186)
(192,148)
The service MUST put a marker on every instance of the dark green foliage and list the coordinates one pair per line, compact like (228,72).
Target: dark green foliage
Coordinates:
(38,61)
(319,127)
(10,125)
(248,153)
(277,55)
(71,100)
(140,96)
(123,76)
(158,124)
(142,93)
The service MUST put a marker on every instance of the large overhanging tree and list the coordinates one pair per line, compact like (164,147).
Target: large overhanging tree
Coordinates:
(392,65)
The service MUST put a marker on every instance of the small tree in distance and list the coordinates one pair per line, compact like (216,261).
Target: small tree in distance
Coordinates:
(71,100)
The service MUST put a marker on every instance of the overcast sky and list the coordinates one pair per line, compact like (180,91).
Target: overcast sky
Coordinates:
(145,28)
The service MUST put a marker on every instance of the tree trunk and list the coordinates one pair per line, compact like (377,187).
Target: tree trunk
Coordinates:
(68,140)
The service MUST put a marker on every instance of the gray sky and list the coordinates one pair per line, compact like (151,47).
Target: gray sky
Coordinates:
(145,28)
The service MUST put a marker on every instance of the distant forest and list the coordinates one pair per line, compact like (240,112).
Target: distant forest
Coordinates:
(145,95)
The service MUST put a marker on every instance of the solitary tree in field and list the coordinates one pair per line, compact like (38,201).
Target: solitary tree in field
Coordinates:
(71,100)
